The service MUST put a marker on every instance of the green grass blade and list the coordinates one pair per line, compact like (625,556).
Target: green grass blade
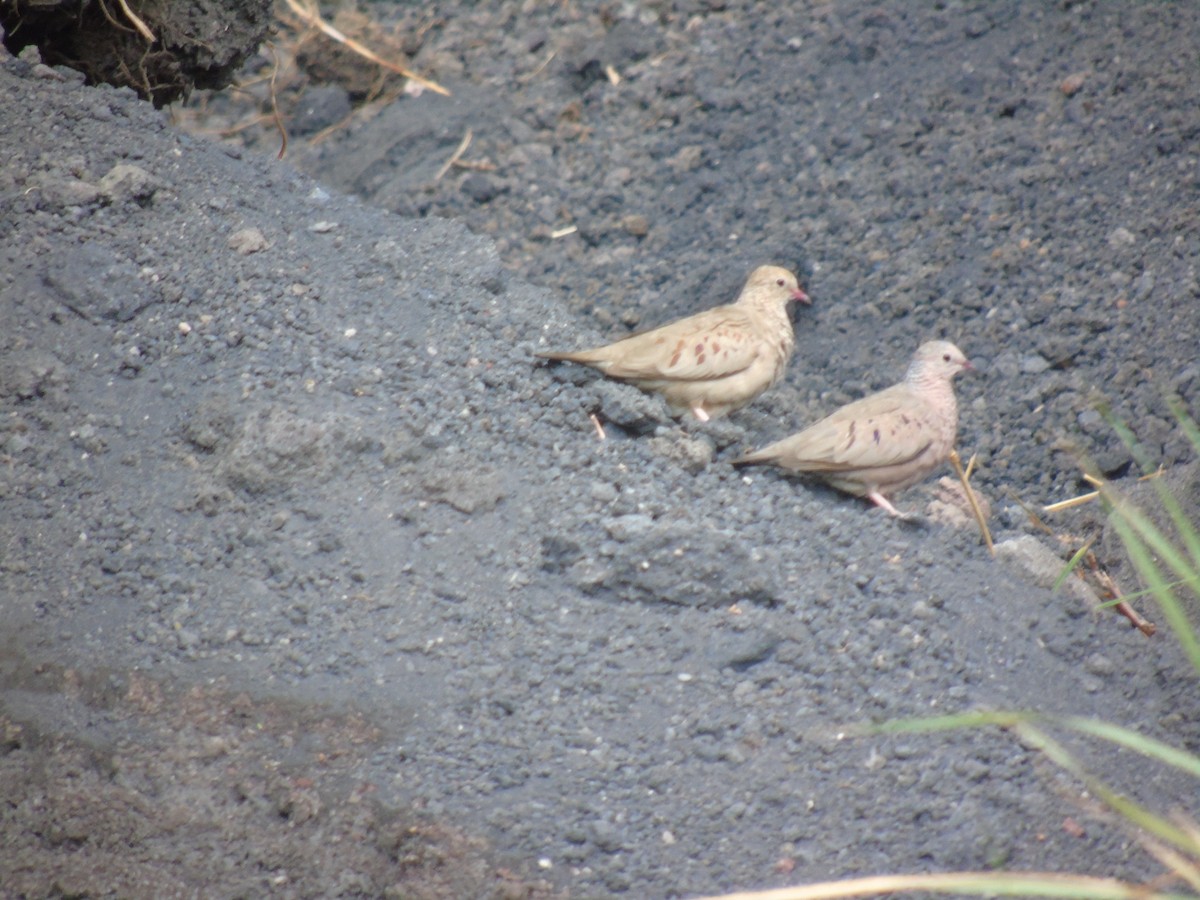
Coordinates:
(1131,811)
(964,884)
(1072,565)
(1127,437)
(1024,725)
(1140,536)
(1126,737)
(1190,429)
(1185,568)
(976,719)
(1144,592)
(1187,529)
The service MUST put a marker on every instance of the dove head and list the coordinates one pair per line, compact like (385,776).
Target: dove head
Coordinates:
(936,361)
(772,286)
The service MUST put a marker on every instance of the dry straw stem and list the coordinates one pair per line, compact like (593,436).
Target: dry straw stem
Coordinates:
(1175,861)
(1120,604)
(598,426)
(455,156)
(275,116)
(965,478)
(141,26)
(134,19)
(1092,495)
(307,11)
(538,71)
(991,884)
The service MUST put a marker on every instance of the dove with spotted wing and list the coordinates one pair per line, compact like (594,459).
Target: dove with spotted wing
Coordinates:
(886,441)
(713,362)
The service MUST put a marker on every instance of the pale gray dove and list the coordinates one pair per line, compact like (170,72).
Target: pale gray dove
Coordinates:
(886,441)
(713,362)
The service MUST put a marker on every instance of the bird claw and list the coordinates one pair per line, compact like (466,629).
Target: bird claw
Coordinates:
(908,518)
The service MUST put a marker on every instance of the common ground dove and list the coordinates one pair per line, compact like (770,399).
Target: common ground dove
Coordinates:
(713,362)
(886,441)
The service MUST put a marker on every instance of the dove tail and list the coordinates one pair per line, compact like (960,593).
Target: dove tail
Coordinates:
(583,357)
(751,459)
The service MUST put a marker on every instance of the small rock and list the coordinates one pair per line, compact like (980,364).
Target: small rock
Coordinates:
(247,241)
(686,159)
(1034,364)
(1042,566)
(480,188)
(635,225)
(603,492)
(693,454)
(606,836)
(951,507)
(1072,83)
(1121,237)
(622,528)
(126,182)
(64,192)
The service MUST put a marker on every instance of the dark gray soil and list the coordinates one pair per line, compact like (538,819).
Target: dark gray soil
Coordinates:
(315,584)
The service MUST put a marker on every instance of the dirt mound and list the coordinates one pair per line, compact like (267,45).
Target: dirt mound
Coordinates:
(160,48)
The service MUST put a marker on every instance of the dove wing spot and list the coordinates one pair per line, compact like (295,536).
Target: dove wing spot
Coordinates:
(676,356)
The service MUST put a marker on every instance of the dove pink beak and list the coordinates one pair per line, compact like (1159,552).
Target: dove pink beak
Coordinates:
(800,297)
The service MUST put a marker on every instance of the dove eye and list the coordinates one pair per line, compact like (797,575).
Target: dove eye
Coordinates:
(779,281)
(945,357)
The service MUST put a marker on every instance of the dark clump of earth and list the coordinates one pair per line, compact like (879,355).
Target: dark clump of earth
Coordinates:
(316,583)
(163,49)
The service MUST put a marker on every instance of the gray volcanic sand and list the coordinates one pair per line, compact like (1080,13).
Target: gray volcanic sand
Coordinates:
(316,584)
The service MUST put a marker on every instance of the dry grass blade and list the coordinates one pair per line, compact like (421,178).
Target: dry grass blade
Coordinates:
(538,71)
(1071,502)
(276,117)
(964,477)
(1153,554)
(362,114)
(309,14)
(1131,811)
(1121,605)
(1173,860)
(1091,495)
(455,156)
(992,884)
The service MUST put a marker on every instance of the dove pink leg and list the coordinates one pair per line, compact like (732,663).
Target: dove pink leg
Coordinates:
(882,502)
(699,413)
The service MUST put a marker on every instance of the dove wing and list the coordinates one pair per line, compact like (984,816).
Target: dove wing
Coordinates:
(713,344)
(885,429)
